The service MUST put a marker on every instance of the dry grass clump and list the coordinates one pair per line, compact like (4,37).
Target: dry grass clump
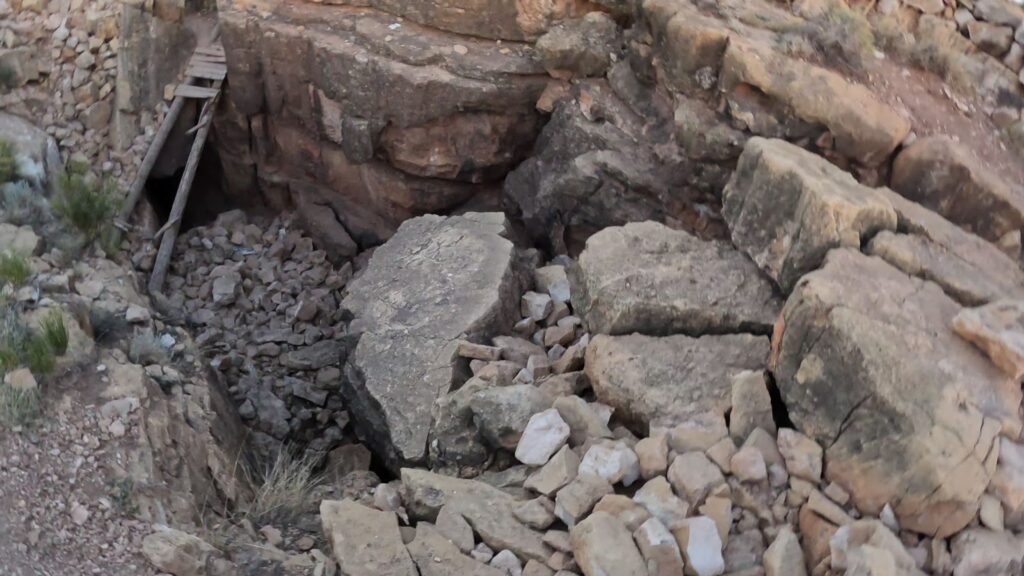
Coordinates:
(285,489)
(843,36)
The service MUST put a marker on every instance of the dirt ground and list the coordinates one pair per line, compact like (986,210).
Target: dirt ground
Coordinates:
(60,513)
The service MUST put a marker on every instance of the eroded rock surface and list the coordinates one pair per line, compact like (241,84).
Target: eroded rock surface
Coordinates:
(437,280)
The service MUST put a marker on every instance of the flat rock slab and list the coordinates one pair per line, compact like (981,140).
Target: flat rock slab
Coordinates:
(998,329)
(868,365)
(365,542)
(437,281)
(489,510)
(786,208)
(648,278)
(435,555)
(664,380)
(946,177)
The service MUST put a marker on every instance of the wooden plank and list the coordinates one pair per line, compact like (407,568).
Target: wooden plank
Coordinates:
(189,91)
(166,250)
(209,72)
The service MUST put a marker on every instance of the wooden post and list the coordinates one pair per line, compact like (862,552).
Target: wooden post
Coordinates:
(163,255)
(150,160)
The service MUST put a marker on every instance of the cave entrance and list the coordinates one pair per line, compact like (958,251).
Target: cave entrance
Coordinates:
(206,199)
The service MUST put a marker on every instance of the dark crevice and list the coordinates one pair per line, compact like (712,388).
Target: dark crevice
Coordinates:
(779,411)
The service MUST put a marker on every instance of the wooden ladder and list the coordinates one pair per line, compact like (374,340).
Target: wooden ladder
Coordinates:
(204,77)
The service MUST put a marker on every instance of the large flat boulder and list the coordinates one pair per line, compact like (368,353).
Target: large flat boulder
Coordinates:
(664,380)
(868,365)
(436,281)
(786,208)
(647,278)
(865,129)
(365,542)
(36,155)
(945,176)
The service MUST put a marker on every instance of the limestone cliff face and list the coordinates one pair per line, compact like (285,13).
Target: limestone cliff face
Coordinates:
(378,113)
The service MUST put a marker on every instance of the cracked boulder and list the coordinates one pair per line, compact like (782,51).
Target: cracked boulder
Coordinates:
(868,365)
(663,381)
(647,278)
(786,208)
(437,281)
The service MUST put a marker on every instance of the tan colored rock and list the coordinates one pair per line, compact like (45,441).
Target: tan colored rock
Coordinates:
(488,510)
(177,552)
(435,555)
(614,461)
(559,471)
(698,433)
(803,455)
(365,541)
(578,498)
(984,552)
(659,549)
(455,528)
(748,465)
(645,277)
(786,208)
(998,329)
(816,533)
(1008,481)
(721,454)
(584,423)
(784,557)
(659,499)
(719,509)
(694,476)
(667,379)
(652,453)
(630,513)
(19,240)
(702,549)
(601,544)
(946,177)
(751,405)
(935,448)
(865,129)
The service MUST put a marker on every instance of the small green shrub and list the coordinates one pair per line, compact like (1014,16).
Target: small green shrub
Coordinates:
(18,407)
(55,332)
(85,203)
(8,164)
(8,358)
(39,356)
(14,268)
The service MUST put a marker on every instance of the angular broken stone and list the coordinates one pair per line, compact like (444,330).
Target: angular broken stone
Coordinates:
(647,278)
(652,452)
(561,469)
(748,465)
(1008,482)
(622,507)
(479,351)
(787,207)
(455,528)
(647,379)
(698,433)
(538,513)
(694,476)
(751,405)
(576,499)
(506,562)
(365,541)
(489,510)
(544,435)
(998,329)
(980,551)
(701,547)
(614,461)
(536,306)
(865,543)
(933,447)
(435,555)
(584,422)
(657,497)
(601,544)
(553,281)
(436,281)
(785,557)
(803,455)
(659,549)
(503,412)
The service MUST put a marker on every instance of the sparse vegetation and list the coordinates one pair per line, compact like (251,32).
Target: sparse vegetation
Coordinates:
(55,332)
(842,34)
(8,164)
(39,356)
(22,206)
(943,61)
(14,268)
(18,407)
(86,203)
(285,490)
(145,348)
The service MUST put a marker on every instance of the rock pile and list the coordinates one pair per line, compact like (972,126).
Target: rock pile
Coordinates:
(264,304)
